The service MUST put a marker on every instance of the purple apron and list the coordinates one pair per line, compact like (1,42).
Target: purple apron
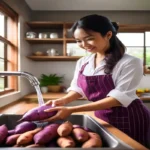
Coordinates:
(133,120)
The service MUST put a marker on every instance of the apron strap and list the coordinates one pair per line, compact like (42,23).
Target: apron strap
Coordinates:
(82,68)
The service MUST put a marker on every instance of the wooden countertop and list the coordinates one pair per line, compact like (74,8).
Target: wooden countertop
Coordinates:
(22,106)
(50,96)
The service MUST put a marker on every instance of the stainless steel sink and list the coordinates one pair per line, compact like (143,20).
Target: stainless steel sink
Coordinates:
(109,140)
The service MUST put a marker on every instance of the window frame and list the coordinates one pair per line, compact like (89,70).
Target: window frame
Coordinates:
(11,43)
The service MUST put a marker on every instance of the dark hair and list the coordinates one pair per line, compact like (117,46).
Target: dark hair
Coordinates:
(102,25)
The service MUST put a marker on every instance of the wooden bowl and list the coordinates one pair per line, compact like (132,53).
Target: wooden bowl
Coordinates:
(38,53)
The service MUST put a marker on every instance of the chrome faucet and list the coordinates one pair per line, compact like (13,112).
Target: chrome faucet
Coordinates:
(32,79)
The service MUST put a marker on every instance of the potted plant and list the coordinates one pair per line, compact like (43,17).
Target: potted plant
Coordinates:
(52,81)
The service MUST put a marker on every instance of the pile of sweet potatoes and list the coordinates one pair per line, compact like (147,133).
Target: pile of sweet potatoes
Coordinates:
(27,134)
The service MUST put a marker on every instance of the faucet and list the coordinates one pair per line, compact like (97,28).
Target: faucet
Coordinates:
(32,79)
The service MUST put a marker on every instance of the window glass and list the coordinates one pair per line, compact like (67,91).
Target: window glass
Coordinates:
(1,84)
(2,29)
(148,56)
(131,39)
(147,38)
(1,50)
(1,64)
(135,51)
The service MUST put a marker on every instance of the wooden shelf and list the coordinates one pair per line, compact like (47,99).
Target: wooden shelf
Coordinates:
(48,40)
(38,24)
(54,58)
(70,40)
(62,29)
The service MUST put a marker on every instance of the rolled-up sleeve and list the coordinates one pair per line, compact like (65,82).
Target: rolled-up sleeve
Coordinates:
(127,82)
(73,85)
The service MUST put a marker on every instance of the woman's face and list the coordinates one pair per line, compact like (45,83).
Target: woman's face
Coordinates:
(92,41)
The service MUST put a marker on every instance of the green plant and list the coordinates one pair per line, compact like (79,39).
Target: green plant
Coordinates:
(52,79)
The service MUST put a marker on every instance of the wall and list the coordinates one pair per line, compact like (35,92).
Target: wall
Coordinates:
(123,17)
(24,49)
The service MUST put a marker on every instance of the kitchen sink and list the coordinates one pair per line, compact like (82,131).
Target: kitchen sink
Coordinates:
(109,141)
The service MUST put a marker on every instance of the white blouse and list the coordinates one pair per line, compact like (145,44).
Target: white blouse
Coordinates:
(126,76)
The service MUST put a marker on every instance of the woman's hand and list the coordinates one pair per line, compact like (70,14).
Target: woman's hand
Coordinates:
(57,102)
(63,113)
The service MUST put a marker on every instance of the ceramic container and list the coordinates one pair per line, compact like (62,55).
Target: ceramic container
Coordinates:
(53,35)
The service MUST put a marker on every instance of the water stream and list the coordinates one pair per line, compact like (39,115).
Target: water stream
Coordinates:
(39,95)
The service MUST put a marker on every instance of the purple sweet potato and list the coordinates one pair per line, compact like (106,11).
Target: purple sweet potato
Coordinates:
(11,140)
(11,132)
(47,134)
(87,129)
(79,126)
(3,133)
(34,146)
(38,113)
(24,126)
(52,143)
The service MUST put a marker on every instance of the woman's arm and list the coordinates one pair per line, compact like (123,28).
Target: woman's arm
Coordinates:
(71,96)
(64,112)
(105,103)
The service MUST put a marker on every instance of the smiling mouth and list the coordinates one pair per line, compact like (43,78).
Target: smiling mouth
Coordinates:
(91,49)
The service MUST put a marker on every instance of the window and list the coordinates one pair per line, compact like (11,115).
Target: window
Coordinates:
(138,45)
(147,45)
(8,47)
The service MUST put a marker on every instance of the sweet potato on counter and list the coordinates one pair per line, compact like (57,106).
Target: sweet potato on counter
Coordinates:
(27,137)
(65,129)
(47,134)
(3,133)
(11,140)
(66,142)
(80,134)
(38,113)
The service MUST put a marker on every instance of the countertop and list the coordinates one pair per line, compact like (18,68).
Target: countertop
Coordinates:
(49,96)
(22,106)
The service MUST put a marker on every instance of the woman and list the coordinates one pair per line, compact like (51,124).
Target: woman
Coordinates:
(108,77)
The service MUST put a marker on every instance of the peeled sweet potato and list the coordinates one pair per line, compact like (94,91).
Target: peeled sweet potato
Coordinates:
(47,134)
(11,140)
(3,133)
(27,137)
(66,142)
(38,113)
(80,134)
(24,126)
(65,129)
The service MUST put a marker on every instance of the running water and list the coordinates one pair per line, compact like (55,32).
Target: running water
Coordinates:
(39,95)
